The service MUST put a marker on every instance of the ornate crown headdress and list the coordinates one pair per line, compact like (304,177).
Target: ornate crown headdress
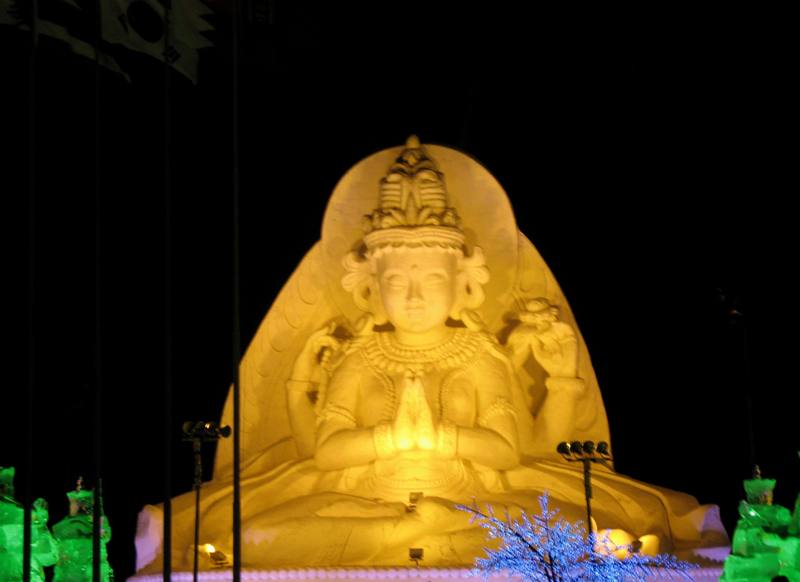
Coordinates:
(413,211)
(413,205)
(759,490)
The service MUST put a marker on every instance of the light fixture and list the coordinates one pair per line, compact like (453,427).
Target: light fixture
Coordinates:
(413,499)
(416,555)
(204,430)
(199,432)
(586,452)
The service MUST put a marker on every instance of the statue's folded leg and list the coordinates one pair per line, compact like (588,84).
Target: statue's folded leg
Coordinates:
(259,493)
(343,530)
(619,502)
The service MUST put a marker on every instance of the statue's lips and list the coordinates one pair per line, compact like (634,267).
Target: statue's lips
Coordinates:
(415,312)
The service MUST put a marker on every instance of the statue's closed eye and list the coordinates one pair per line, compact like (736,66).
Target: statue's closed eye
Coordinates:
(396,282)
(434,279)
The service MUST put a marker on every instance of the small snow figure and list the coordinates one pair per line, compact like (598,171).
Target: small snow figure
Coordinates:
(74,533)
(548,549)
(44,548)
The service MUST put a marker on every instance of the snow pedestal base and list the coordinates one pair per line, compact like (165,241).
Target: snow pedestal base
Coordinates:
(410,574)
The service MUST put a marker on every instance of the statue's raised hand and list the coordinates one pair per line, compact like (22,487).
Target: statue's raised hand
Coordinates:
(553,343)
(319,347)
(424,430)
(413,423)
(556,350)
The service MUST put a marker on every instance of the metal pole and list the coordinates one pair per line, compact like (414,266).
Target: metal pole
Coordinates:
(587,453)
(236,339)
(27,492)
(98,288)
(587,484)
(167,534)
(198,482)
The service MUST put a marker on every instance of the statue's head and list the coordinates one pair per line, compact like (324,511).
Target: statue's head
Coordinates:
(7,482)
(417,286)
(81,501)
(412,269)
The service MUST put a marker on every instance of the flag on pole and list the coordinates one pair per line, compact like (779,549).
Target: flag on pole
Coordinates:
(6,17)
(137,25)
(141,25)
(17,13)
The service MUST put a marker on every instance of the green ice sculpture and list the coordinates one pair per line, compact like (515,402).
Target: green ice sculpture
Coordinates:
(74,534)
(44,549)
(794,529)
(765,542)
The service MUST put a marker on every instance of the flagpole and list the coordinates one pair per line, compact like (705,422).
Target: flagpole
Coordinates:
(98,388)
(167,537)
(236,339)
(28,463)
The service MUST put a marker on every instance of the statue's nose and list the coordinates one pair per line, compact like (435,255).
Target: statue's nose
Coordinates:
(414,290)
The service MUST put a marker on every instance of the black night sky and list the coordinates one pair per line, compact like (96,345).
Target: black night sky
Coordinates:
(647,157)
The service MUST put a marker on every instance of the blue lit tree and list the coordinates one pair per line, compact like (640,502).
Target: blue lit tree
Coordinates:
(545,548)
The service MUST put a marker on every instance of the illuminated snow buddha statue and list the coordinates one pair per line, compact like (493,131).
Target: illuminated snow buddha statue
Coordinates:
(421,355)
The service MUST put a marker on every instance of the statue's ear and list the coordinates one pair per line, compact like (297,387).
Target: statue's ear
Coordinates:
(362,295)
(459,302)
(360,282)
(469,294)
(472,276)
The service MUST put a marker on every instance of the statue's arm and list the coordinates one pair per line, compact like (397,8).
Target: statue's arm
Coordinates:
(555,347)
(307,374)
(301,415)
(340,447)
(559,410)
(557,352)
(488,447)
(494,439)
(341,442)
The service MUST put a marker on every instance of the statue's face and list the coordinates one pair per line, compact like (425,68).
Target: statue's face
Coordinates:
(417,287)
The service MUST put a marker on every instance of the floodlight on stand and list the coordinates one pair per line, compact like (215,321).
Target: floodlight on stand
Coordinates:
(199,432)
(204,430)
(416,555)
(217,557)
(413,499)
(586,453)
(224,431)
